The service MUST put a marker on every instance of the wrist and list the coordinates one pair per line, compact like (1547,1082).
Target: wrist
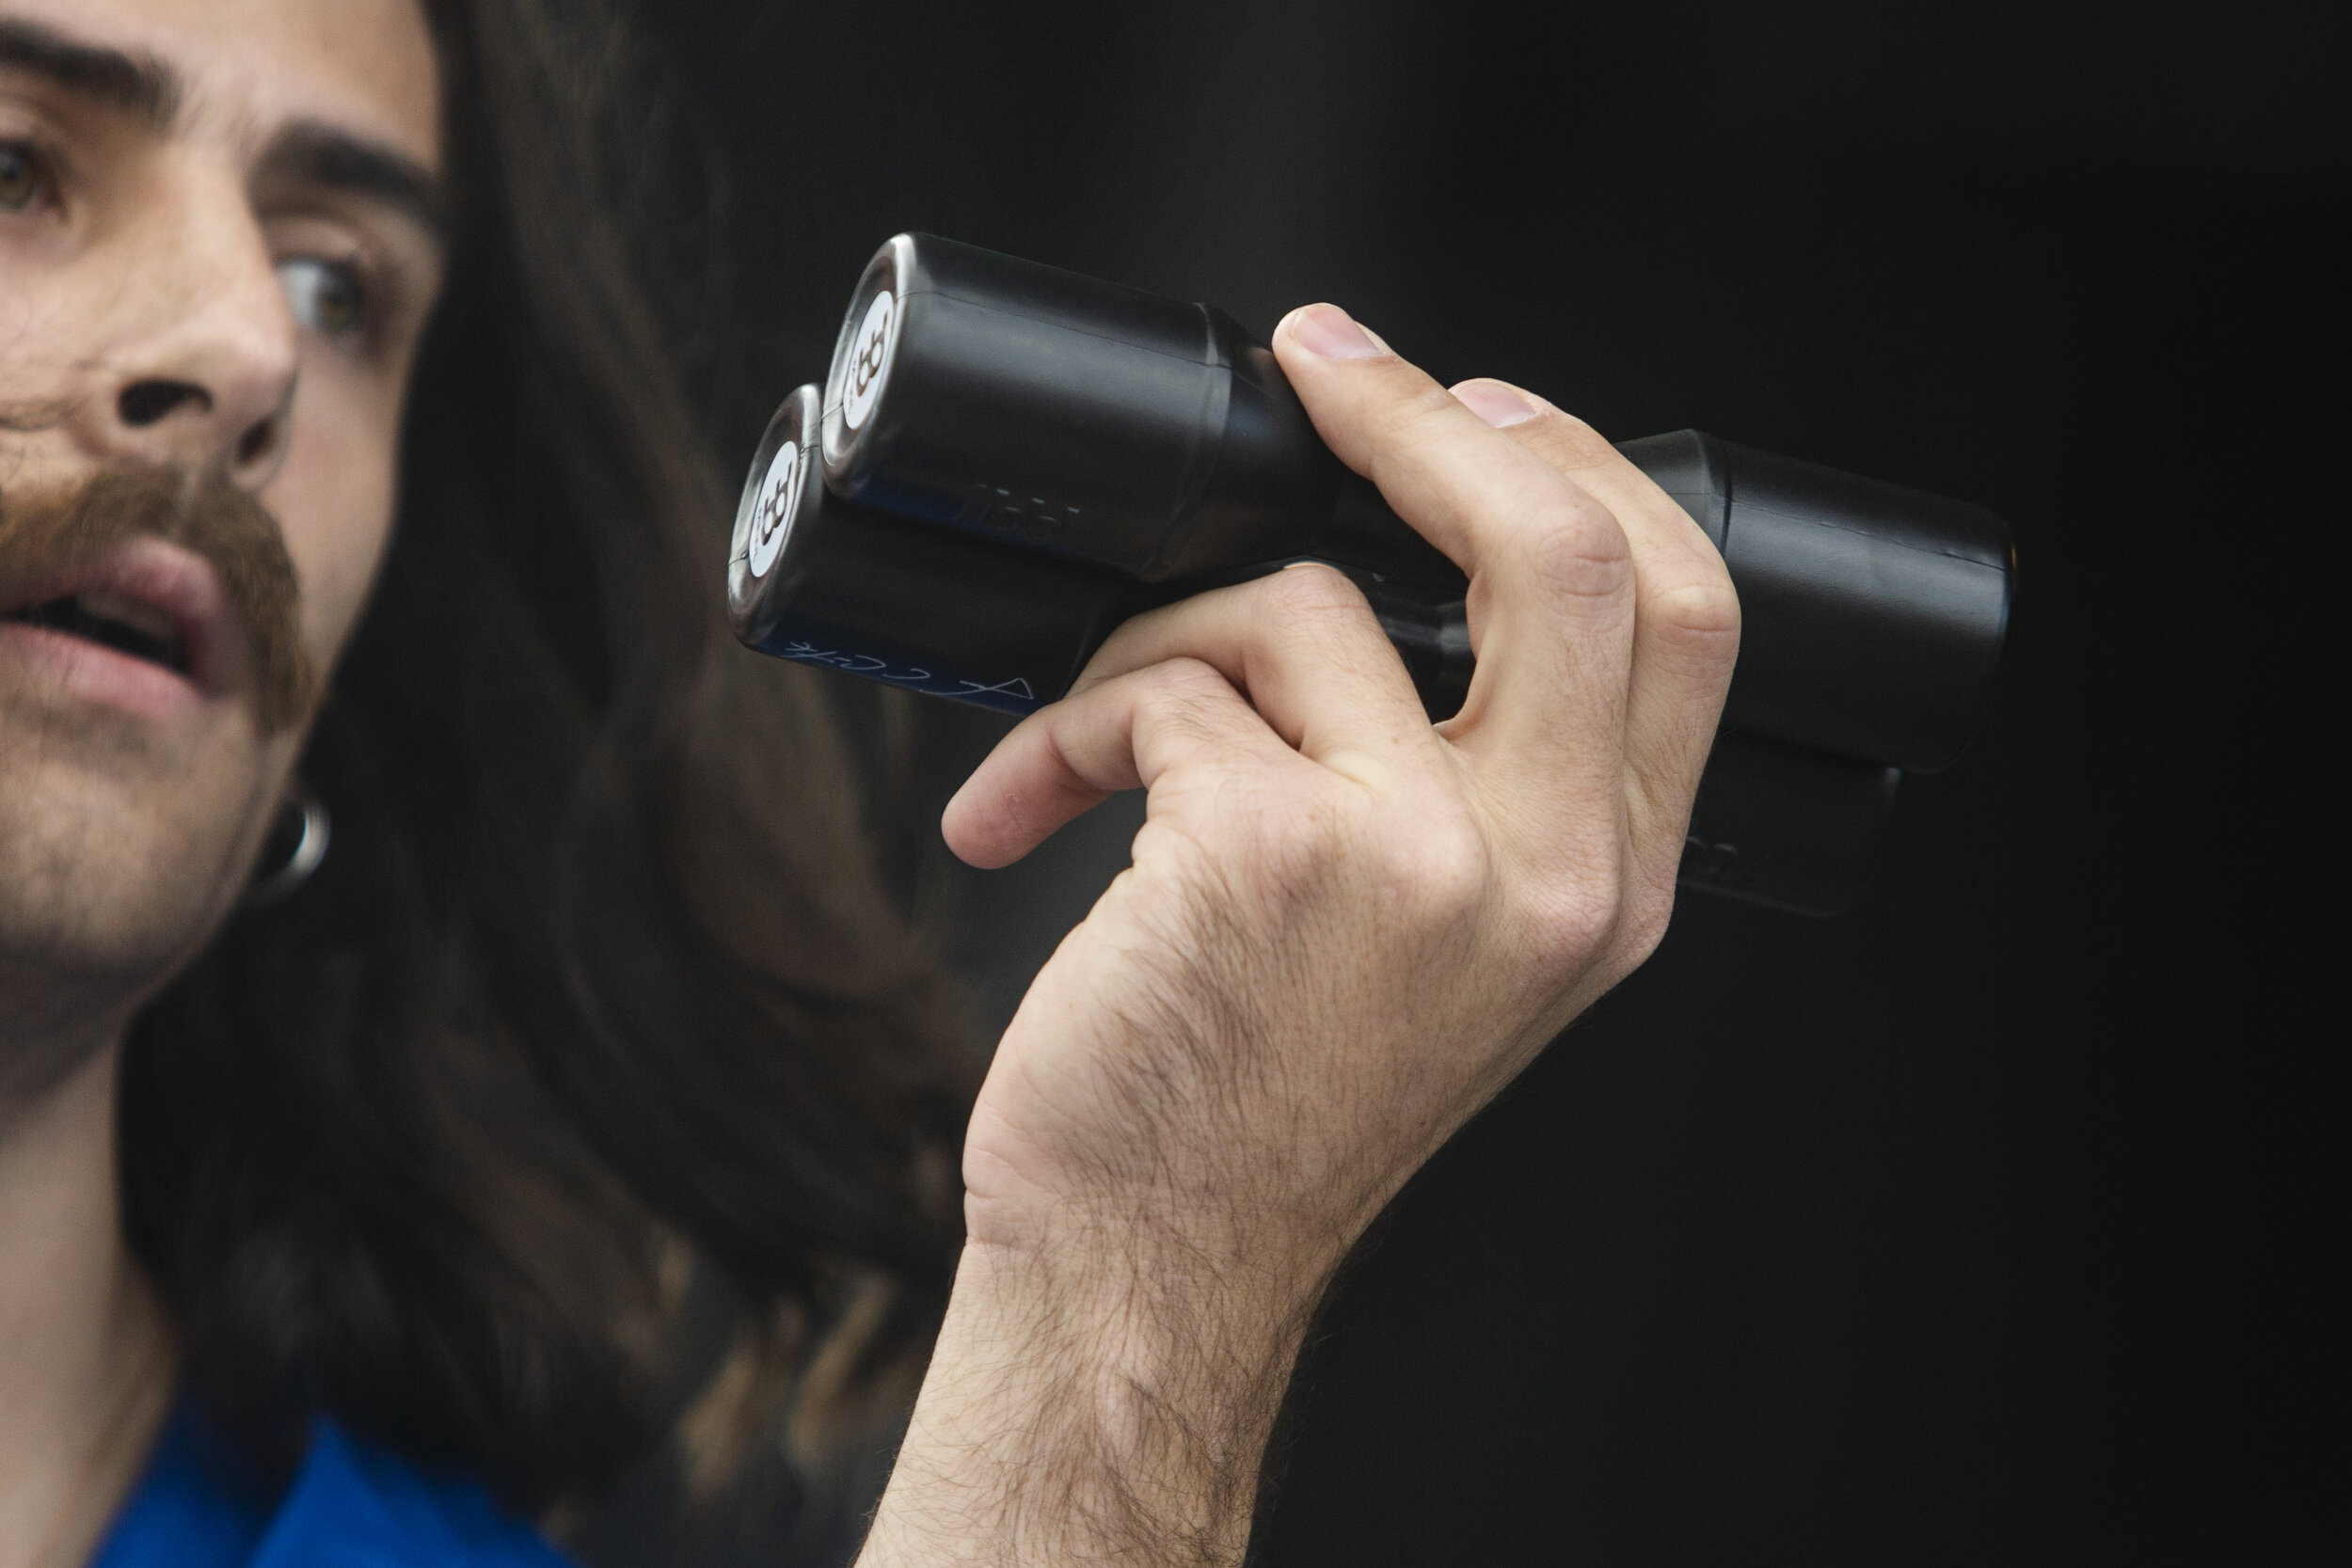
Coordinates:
(1093,1399)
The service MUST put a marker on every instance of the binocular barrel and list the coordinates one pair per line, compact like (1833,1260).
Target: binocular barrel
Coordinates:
(1154,438)
(1008,460)
(937,611)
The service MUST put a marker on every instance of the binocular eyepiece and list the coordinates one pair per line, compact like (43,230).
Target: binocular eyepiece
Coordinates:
(1008,460)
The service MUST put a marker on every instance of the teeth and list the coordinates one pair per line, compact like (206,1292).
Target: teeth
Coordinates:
(144,619)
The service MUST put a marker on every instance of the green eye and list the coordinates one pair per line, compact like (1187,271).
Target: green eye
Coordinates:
(327,297)
(19,178)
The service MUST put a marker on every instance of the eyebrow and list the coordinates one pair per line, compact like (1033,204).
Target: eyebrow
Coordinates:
(137,84)
(311,152)
(307,152)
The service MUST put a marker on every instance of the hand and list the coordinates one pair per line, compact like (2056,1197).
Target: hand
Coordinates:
(1344,929)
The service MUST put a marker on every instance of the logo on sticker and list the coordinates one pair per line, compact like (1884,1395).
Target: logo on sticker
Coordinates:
(771,514)
(869,359)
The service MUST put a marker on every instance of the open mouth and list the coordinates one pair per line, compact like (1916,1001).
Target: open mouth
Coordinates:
(144,632)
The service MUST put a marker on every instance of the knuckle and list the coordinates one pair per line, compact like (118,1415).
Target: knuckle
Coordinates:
(1586,924)
(1574,446)
(1701,619)
(1444,869)
(1574,548)
(1431,874)
(1575,919)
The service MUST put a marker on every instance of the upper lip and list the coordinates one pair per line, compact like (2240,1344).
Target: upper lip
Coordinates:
(176,582)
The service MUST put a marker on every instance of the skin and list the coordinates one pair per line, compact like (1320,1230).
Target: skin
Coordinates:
(1342,932)
(165,248)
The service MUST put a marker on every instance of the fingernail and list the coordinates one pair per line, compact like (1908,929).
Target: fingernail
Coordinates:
(1333,333)
(1491,401)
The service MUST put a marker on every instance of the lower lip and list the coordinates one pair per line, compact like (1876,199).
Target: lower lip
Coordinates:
(97,673)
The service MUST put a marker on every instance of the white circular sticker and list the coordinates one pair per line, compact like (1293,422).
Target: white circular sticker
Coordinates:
(771,514)
(869,359)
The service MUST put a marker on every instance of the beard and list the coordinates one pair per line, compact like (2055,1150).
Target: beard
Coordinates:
(45,529)
(124,844)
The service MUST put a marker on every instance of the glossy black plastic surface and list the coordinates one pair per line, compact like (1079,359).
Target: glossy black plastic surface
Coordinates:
(1015,459)
(824,581)
(1789,829)
(852,588)
(1872,616)
(1073,418)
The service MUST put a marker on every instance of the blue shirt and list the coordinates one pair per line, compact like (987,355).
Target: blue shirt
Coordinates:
(351,1505)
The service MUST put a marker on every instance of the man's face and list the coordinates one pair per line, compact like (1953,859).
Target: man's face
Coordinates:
(217,250)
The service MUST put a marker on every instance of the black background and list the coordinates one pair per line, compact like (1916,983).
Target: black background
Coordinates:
(1984,1225)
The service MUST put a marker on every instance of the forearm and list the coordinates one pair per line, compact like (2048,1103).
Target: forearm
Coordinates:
(1096,1402)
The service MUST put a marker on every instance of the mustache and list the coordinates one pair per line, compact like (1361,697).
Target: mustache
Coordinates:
(52,527)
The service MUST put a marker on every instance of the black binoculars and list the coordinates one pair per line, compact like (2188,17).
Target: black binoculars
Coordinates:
(1008,460)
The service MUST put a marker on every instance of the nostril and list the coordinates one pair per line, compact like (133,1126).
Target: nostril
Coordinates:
(256,442)
(144,403)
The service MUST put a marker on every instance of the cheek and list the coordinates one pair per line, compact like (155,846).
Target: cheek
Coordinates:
(17,314)
(36,320)
(334,500)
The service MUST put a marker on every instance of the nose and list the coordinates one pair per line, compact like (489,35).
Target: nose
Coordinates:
(200,357)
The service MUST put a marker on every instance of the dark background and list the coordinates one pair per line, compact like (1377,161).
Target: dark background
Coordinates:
(1986,1223)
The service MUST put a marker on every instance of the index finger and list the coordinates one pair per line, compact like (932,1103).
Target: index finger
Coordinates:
(1551,572)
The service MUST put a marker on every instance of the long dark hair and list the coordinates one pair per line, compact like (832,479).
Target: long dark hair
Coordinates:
(598,993)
